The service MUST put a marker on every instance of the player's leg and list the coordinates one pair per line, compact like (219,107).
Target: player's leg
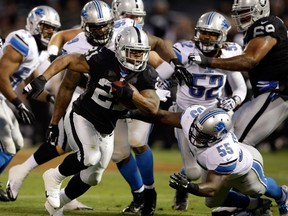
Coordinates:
(88,177)
(45,152)
(84,139)
(127,166)
(138,135)
(11,139)
(251,116)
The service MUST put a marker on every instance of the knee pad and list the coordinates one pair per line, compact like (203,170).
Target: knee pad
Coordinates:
(92,158)
(92,175)
(193,173)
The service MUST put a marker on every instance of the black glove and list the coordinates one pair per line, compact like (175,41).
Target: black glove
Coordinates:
(122,90)
(180,182)
(137,114)
(199,59)
(181,74)
(52,134)
(35,87)
(52,57)
(25,115)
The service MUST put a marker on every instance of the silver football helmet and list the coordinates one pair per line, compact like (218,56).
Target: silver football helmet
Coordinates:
(210,127)
(211,22)
(132,48)
(42,15)
(246,12)
(128,8)
(97,22)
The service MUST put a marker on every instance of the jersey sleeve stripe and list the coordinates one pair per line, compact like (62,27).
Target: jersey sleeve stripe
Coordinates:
(20,45)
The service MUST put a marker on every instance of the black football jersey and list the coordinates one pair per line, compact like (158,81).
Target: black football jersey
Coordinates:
(97,104)
(274,66)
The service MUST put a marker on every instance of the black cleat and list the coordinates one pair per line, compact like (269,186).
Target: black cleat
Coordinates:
(136,205)
(150,198)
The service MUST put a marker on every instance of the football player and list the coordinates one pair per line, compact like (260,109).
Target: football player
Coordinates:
(97,24)
(97,109)
(19,61)
(208,88)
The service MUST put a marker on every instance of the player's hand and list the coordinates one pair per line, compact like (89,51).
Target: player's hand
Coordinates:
(264,86)
(199,59)
(122,90)
(52,134)
(35,87)
(181,73)
(26,115)
(164,84)
(179,181)
(229,103)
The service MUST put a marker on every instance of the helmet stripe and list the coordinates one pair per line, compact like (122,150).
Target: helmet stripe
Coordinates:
(208,115)
(136,4)
(138,34)
(98,8)
(210,18)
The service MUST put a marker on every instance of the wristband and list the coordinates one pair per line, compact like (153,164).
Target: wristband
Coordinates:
(237,99)
(16,102)
(53,50)
(193,188)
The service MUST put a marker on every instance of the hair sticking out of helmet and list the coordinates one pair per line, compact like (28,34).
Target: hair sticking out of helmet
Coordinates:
(39,16)
(211,31)
(246,12)
(210,127)
(132,48)
(129,9)
(97,22)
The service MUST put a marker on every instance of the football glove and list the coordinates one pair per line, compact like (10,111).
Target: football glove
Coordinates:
(25,115)
(52,134)
(52,57)
(122,92)
(181,73)
(229,103)
(35,87)
(180,182)
(199,59)
(164,84)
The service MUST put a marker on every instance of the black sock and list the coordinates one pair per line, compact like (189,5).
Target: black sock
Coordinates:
(76,187)
(44,153)
(71,165)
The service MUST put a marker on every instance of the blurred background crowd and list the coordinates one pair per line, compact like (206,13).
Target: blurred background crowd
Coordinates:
(168,19)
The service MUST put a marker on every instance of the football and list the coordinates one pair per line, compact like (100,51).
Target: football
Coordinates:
(127,104)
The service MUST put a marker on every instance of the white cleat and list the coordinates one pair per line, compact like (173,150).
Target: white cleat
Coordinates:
(53,211)
(76,205)
(52,188)
(16,177)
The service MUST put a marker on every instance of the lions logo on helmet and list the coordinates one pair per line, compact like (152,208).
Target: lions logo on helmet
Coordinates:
(210,127)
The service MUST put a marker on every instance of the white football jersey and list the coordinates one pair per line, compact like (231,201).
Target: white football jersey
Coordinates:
(78,44)
(208,83)
(224,157)
(25,44)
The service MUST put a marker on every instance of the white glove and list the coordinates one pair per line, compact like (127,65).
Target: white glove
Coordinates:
(229,103)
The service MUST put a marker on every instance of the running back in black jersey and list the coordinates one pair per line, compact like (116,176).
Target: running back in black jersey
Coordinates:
(274,66)
(97,104)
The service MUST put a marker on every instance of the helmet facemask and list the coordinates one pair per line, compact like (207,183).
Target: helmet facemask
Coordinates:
(211,32)
(246,12)
(209,127)
(40,20)
(97,22)
(132,48)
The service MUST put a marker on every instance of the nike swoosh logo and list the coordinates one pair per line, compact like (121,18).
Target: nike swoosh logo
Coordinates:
(228,159)
(263,22)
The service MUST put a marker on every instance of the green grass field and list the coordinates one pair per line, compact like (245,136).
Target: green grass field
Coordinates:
(113,193)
